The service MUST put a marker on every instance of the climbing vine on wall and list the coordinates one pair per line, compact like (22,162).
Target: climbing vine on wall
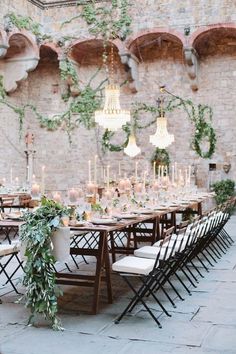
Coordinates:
(108,22)
(25,22)
(199,115)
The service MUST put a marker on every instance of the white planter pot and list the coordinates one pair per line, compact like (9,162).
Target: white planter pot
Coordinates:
(61,244)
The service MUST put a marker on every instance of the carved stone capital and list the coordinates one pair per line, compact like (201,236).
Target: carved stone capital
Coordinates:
(131,63)
(191,59)
(19,55)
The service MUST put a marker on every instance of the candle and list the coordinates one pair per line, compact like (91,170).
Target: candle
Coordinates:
(57,197)
(159,171)
(173,174)
(136,170)
(189,174)
(108,176)
(186,176)
(35,190)
(95,169)
(138,187)
(3,181)
(144,180)
(17,180)
(119,172)
(104,175)
(27,173)
(121,185)
(154,170)
(162,171)
(89,171)
(91,188)
(73,195)
(43,180)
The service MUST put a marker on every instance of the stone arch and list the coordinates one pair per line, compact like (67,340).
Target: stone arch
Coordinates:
(155,34)
(212,33)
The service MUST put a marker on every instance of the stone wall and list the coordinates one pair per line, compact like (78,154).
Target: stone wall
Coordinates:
(160,63)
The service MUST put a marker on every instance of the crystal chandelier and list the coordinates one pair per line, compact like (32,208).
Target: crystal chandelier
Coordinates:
(132,149)
(161,138)
(112,117)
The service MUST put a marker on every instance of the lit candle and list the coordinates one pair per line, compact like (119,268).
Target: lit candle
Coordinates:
(154,170)
(159,171)
(27,173)
(57,197)
(186,176)
(119,173)
(138,187)
(189,174)
(162,171)
(95,169)
(73,195)
(43,179)
(35,190)
(91,188)
(89,171)
(17,180)
(108,176)
(144,180)
(173,174)
(136,170)
(104,175)
(3,181)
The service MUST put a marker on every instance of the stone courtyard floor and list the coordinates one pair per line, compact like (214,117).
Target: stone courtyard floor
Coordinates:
(204,323)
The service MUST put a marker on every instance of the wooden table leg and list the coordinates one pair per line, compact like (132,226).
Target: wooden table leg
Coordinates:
(199,208)
(107,270)
(102,260)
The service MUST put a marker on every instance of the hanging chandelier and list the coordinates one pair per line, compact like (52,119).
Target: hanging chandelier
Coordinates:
(132,149)
(112,117)
(161,138)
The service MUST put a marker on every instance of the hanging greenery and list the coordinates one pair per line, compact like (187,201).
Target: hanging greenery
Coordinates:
(39,273)
(199,115)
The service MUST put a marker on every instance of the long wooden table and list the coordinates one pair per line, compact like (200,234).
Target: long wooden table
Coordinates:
(101,238)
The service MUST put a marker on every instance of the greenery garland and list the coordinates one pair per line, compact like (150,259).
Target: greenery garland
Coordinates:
(39,273)
(200,116)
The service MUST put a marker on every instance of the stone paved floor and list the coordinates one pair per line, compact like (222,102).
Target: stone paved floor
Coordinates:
(204,323)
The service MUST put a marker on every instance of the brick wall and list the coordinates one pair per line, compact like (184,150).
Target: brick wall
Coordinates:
(66,165)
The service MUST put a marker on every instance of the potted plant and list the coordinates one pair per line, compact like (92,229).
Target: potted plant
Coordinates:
(223,190)
(39,279)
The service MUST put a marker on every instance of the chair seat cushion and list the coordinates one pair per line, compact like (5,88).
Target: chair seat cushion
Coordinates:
(133,265)
(7,249)
(152,252)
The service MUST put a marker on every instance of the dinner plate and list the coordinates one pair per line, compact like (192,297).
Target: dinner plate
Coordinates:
(104,221)
(144,211)
(127,216)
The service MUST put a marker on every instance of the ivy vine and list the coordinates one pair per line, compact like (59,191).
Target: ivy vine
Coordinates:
(25,22)
(199,115)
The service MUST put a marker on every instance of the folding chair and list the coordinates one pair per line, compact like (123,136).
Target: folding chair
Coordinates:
(10,250)
(147,271)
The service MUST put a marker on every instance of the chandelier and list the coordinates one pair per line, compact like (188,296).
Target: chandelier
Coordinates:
(132,149)
(161,138)
(112,117)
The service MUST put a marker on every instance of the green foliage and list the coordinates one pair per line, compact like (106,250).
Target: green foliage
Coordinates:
(27,23)
(67,70)
(39,277)
(161,157)
(200,116)
(224,190)
(109,21)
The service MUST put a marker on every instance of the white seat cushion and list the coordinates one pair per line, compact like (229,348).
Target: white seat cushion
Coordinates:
(6,249)
(133,265)
(152,252)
